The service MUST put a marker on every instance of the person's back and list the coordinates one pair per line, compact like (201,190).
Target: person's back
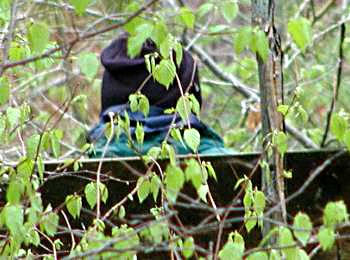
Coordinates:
(128,89)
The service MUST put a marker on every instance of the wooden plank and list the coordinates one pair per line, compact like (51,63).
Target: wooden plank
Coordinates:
(332,184)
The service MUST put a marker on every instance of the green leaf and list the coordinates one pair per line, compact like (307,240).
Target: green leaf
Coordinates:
(49,223)
(134,44)
(259,202)
(339,124)
(121,212)
(178,53)
(133,102)
(31,144)
(90,194)
(261,44)
(144,105)
(188,247)
(140,134)
(166,47)
(183,107)
(55,139)
(204,9)
(202,192)
(187,17)
(258,256)
(211,170)
(192,138)
(280,140)
(283,109)
(302,255)
(80,5)
(13,218)
(176,134)
(88,64)
(243,39)
(233,249)
(74,205)
(160,32)
(250,220)
(302,227)
(326,237)
(229,10)
(335,213)
(193,173)
(165,72)
(4,91)
(14,191)
(275,255)
(38,36)
(174,181)
(155,186)
(300,31)
(144,189)
(195,105)
(13,116)
(287,242)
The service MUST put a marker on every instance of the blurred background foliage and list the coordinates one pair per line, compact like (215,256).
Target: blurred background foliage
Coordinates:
(60,93)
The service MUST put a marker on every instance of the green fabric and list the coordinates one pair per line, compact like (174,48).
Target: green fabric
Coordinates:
(210,143)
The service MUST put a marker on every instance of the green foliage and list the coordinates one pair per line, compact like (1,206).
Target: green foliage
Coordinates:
(300,31)
(302,227)
(339,125)
(280,140)
(326,236)
(258,256)
(229,9)
(80,5)
(287,242)
(38,36)
(46,107)
(74,204)
(90,192)
(88,64)
(234,247)
(144,188)
(192,138)
(187,17)
(335,213)
(139,102)
(253,39)
(188,247)
(164,72)
(174,181)
(4,91)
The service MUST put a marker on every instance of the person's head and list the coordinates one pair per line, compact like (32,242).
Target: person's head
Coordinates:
(124,75)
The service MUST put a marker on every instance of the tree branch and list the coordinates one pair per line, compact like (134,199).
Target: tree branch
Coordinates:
(337,82)
(79,38)
(245,90)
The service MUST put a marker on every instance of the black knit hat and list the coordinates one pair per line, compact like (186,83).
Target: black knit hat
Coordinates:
(124,76)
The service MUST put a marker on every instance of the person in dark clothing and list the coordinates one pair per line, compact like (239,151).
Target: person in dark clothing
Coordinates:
(124,76)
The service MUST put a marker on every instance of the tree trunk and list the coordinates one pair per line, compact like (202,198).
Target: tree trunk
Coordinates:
(271,94)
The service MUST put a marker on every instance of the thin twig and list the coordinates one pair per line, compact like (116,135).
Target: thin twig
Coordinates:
(73,42)
(6,43)
(337,82)
(309,180)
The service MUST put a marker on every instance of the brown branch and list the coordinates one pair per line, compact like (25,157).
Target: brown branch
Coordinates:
(77,39)
(337,82)
(6,43)
(245,90)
